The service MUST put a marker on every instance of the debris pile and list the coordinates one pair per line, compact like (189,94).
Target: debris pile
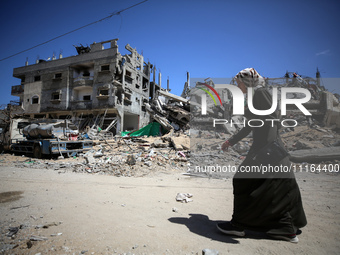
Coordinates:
(27,235)
(305,144)
(169,110)
(125,156)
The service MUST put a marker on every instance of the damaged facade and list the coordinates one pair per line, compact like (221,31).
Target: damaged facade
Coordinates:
(99,86)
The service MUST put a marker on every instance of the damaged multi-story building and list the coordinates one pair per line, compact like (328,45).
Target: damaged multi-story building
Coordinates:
(98,84)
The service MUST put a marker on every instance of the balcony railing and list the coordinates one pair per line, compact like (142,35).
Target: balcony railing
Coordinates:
(81,105)
(83,81)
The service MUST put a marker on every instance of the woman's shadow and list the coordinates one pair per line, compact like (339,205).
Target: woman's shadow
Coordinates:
(201,225)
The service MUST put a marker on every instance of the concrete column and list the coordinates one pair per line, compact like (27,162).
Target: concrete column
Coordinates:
(118,125)
(154,81)
(68,78)
(123,76)
(188,79)
(141,72)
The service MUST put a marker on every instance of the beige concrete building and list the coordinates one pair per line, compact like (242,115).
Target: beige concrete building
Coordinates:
(97,86)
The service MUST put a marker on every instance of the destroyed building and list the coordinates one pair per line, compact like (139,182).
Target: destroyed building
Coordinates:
(97,85)
(323,105)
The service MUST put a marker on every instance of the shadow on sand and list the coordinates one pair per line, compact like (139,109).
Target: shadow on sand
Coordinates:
(201,225)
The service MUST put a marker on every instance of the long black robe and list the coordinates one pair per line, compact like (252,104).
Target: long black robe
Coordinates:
(270,203)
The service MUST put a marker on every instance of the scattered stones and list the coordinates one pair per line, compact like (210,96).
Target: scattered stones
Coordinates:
(159,144)
(29,244)
(38,238)
(148,163)
(58,234)
(7,247)
(130,160)
(301,145)
(47,225)
(12,231)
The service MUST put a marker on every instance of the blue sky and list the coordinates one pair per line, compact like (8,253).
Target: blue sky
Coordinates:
(207,38)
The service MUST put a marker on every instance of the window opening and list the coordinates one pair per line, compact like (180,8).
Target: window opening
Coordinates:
(105,68)
(103,92)
(55,96)
(87,98)
(35,100)
(57,75)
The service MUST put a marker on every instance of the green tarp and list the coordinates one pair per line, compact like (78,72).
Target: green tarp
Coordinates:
(153,129)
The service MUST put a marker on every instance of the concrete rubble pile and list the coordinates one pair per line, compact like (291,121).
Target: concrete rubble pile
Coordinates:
(305,145)
(169,110)
(315,139)
(125,156)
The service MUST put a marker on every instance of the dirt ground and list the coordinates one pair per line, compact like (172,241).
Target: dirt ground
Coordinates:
(81,213)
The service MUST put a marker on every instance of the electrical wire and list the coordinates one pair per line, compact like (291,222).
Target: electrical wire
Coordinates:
(108,17)
(120,26)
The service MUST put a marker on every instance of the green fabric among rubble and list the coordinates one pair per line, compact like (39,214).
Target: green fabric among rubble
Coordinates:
(153,129)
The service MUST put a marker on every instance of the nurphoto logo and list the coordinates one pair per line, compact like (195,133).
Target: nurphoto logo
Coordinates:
(238,104)
(238,100)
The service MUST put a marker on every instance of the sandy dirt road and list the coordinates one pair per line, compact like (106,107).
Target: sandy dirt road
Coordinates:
(96,214)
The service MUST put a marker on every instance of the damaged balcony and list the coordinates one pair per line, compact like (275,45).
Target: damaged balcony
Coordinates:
(83,75)
(104,92)
(105,96)
(17,90)
(81,98)
(81,105)
(83,81)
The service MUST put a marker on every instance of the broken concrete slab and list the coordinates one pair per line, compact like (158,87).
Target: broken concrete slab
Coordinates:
(173,96)
(299,145)
(159,144)
(315,155)
(89,158)
(148,163)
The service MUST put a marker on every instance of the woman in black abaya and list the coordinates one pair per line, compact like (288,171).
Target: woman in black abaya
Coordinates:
(270,202)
